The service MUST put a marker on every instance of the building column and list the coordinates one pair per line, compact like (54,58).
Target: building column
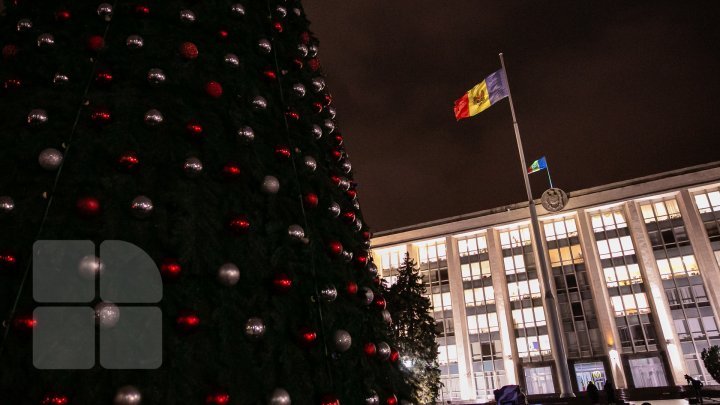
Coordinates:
(603,306)
(502,307)
(668,339)
(704,254)
(462,343)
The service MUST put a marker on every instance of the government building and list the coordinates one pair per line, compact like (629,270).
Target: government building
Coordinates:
(633,266)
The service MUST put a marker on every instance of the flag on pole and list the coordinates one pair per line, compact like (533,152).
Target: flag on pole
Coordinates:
(481,97)
(537,165)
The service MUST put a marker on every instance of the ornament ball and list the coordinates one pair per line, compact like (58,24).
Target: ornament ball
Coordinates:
(329,293)
(383,350)
(335,248)
(7,204)
(282,283)
(279,397)
(245,134)
(37,117)
(45,40)
(372,399)
(259,103)
(238,10)
(214,89)
(55,399)
(192,167)
(270,185)
(329,399)
(316,131)
(366,296)
(311,200)
(228,274)
(310,163)
(264,46)
(107,314)
(189,51)
(239,224)
(156,76)
(296,232)
(153,118)
(96,43)
(88,206)
(128,395)
(135,42)
(142,207)
(342,340)
(50,159)
(90,266)
(334,209)
(369,349)
(24,25)
(232,60)
(255,328)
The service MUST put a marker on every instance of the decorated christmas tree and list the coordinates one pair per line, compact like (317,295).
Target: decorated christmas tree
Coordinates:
(197,136)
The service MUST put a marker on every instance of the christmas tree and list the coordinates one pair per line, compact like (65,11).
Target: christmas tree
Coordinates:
(198,135)
(415,333)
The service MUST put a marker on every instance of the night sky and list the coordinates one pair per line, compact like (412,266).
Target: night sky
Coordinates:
(606,90)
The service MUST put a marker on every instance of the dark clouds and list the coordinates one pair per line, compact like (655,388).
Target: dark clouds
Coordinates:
(606,90)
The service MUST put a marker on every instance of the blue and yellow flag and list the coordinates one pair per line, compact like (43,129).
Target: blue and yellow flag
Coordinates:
(482,96)
(537,165)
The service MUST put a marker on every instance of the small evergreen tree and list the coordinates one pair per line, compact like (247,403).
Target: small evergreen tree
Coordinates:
(414,329)
(711,358)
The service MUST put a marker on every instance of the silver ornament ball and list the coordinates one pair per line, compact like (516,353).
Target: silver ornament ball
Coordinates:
(347,256)
(90,266)
(259,103)
(316,131)
(313,50)
(228,274)
(238,10)
(297,11)
(334,209)
(187,16)
(281,11)
(342,340)
(270,185)
(366,296)
(358,224)
(383,351)
(329,293)
(245,134)
(192,167)
(329,126)
(142,207)
(60,79)
(299,90)
(296,232)
(24,25)
(310,163)
(346,167)
(134,42)
(105,10)
(372,399)
(7,204)
(154,118)
(107,314)
(128,395)
(264,46)
(302,50)
(372,268)
(386,316)
(232,60)
(332,112)
(156,76)
(279,397)
(50,159)
(318,84)
(255,328)
(37,117)
(45,40)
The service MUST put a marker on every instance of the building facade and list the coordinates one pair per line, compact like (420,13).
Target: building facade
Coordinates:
(632,265)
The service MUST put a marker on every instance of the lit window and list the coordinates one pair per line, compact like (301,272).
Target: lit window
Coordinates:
(703,203)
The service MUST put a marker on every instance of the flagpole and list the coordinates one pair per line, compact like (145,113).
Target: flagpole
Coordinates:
(560,356)
(547,168)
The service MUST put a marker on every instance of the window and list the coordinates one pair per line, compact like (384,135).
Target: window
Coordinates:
(447,354)
(482,323)
(593,371)
(539,380)
(648,372)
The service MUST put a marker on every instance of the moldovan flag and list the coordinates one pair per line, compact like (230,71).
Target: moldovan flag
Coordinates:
(538,165)
(482,96)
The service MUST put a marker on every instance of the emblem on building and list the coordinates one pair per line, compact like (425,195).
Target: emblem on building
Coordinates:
(554,199)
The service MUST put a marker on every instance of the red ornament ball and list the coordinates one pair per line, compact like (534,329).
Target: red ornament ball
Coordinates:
(379,302)
(335,180)
(298,63)
(194,129)
(335,248)
(352,194)
(394,356)
(7,261)
(214,89)
(55,399)
(282,152)
(305,37)
(189,51)
(282,283)
(317,107)
(24,323)
(187,320)
(307,337)
(278,27)
(103,78)
(170,268)
(96,43)
(329,399)
(218,398)
(337,154)
(231,171)
(9,51)
(351,288)
(366,235)
(223,34)
(63,15)
(391,400)
(338,140)
(311,200)
(269,74)
(142,10)
(293,115)
(128,161)
(88,206)
(314,64)
(349,217)
(101,116)
(239,224)
(328,99)
(370,349)
(361,260)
